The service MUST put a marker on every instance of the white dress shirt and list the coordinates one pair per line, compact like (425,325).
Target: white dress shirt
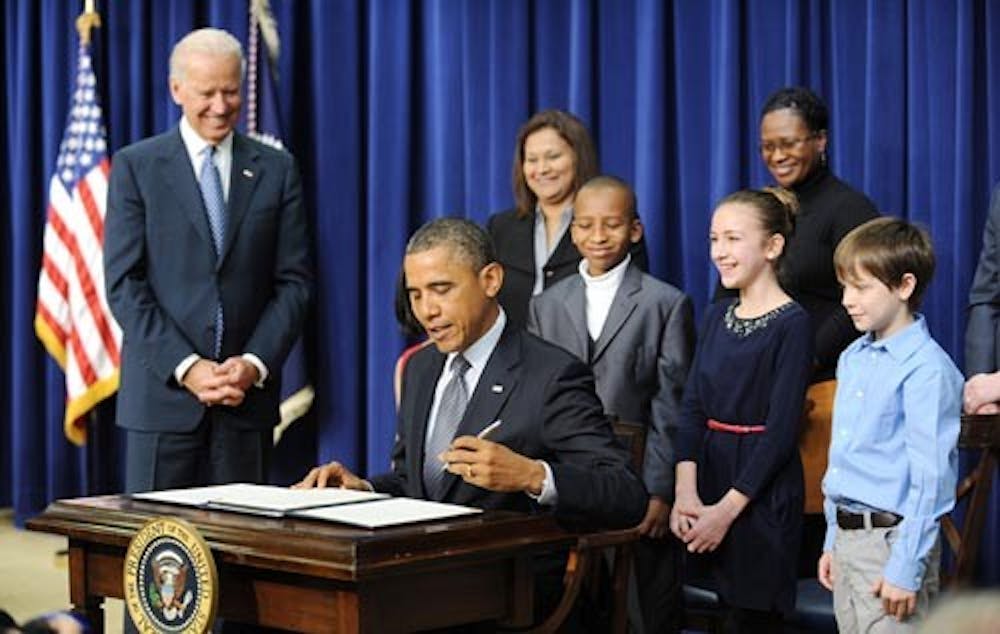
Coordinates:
(477,355)
(223,157)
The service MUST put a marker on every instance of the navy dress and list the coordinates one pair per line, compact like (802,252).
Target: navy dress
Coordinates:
(751,372)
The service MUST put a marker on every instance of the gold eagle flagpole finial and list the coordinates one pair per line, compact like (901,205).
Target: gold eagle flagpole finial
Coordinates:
(89,19)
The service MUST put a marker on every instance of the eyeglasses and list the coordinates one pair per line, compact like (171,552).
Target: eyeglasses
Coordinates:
(786,146)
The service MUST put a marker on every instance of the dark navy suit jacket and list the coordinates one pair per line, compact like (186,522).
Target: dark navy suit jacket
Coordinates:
(164,279)
(546,400)
(982,335)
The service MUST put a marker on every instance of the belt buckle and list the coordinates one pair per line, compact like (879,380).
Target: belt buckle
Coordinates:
(867,520)
(852,521)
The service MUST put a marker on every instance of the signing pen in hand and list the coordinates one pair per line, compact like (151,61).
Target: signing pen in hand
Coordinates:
(481,435)
(489,429)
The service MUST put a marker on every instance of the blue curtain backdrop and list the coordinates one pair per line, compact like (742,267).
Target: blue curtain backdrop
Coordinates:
(402,111)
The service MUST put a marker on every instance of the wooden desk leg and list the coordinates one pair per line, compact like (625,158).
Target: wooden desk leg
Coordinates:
(624,554)
(351,608)
(90,606)
(521,610)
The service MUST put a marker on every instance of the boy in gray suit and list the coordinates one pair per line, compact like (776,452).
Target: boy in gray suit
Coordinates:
(637,334)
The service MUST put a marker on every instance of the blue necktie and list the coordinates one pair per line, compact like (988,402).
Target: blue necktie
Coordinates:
(454,398)
(215,206)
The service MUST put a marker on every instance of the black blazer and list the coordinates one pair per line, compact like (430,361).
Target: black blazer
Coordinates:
(514,240)
(546,400)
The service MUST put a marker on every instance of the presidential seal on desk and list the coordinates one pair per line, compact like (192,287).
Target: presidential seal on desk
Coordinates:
(171,584)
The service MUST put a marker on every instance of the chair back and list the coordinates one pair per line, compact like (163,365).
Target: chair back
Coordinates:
(583,567)
(400,367)
(814,441)
(633,437)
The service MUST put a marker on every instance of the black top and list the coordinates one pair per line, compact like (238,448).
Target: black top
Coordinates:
(514,240)
(828,209)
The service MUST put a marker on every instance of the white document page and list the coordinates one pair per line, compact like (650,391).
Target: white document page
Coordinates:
(258,497)
(283,499)
(196,496)
(389,512)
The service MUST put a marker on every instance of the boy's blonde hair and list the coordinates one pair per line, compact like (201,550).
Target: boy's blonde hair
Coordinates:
(887,249)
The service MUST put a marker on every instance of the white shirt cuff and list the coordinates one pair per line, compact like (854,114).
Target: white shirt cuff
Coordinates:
(261,368)
(549,495)
(183,367)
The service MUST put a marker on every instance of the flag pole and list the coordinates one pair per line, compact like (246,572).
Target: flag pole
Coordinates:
(97,480)
(89,19)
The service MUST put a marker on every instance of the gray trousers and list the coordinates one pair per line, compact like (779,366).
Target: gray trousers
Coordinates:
(859,557)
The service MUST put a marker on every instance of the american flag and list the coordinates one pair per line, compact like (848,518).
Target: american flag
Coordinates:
(72,318)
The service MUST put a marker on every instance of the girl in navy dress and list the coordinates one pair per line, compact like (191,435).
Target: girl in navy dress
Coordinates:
(739,488)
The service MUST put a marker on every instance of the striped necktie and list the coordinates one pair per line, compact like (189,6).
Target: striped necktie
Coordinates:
(454,398)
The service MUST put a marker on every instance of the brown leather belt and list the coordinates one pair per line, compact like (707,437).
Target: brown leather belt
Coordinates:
(854,521)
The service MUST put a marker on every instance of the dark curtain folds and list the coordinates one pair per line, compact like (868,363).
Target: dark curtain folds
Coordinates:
(402,111)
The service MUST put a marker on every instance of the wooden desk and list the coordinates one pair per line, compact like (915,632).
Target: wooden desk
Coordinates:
(313,576)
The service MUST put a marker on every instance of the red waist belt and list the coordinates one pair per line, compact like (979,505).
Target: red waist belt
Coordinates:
(735,429)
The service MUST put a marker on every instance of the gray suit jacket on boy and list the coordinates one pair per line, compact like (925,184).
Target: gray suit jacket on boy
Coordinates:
(640,360)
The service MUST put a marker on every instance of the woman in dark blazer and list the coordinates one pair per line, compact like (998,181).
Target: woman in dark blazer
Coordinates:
(553,157)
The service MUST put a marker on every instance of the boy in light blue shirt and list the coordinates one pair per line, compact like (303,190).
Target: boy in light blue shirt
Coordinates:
(893,460)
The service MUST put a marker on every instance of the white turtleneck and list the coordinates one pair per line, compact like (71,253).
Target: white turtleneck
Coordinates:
(600,292)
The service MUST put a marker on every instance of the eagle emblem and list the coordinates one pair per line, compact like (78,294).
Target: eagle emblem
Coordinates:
(167,591)
(171,584)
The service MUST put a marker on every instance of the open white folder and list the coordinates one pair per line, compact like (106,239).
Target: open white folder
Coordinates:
(358,508)
(258,499)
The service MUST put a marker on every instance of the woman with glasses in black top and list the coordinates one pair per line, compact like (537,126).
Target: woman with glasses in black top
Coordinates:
(793,146)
